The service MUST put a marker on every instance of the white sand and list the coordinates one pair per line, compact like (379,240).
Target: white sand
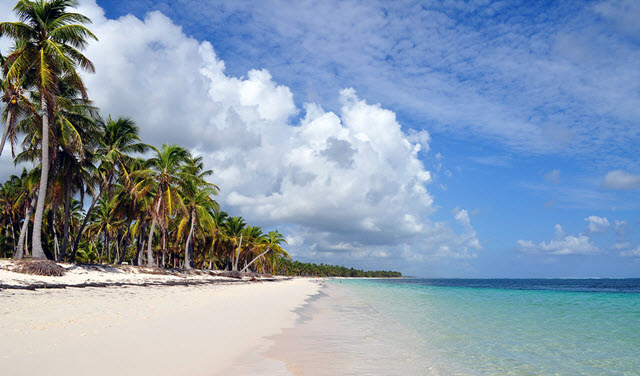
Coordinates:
(79,274)
(197,330)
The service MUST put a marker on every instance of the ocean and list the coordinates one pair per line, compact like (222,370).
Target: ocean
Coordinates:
(466,327)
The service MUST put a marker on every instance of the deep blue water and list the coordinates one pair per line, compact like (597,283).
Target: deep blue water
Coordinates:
(630,285)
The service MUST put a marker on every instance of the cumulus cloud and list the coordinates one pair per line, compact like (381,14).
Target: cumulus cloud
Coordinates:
(582,243)
(635,253)
(493,70)
(621,180)
(568,245)
(620,228)
(343,184)
(597,224)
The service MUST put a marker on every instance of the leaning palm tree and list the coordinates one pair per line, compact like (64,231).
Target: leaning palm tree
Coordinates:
(160,179)
(271,242)
(47,42)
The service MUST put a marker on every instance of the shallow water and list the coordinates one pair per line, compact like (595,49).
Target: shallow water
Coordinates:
(466,327)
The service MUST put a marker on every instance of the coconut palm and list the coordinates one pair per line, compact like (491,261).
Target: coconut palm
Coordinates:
(118,140)
(47,43)
(234,227)
(29,182)
(199,204)
(216,231)
(105,223)
(271,242)
(197,196)
(160,179)
(16,105)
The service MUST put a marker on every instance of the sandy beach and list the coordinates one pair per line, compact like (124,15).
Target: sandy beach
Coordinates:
(134,330)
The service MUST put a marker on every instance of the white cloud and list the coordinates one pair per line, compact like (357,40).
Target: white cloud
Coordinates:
(568,245)
(631,253)
(622,180)
(541,85)
(620,227)
(559,231)
(338,184)
(597,224)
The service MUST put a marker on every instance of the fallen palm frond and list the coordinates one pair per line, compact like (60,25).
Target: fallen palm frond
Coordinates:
(231,274)
(40,267)
(153,270)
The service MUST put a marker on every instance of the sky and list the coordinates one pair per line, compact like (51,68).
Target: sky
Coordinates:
(438,138)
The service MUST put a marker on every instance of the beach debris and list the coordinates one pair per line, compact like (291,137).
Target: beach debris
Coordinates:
(232,274)
(153,270)
(40,267)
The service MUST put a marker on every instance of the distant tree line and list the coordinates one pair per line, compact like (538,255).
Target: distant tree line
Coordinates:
(306,269)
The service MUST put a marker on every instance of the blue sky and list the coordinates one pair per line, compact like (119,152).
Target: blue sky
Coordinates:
(527,115)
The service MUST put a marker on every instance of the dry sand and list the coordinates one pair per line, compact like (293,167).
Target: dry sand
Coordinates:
(180,330)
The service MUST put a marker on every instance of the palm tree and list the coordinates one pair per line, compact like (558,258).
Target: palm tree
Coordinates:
(119,139)
(234,227)
(105,223)
(271,242)
(160,180)
(16,105)
(199,204)
(47,41)
(197,196)
(216,231)
(29,181)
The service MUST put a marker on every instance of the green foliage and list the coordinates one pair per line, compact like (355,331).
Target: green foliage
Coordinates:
(305,269)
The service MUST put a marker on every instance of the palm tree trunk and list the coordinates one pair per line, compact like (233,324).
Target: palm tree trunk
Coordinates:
(254,260)
(187,259)
(56,245)
(5,132)
(150,260)
(213,250)
(19,254)
(125,244)
(38,252)
(76,243)
(140,247)
(13,231)
(236,259)
(65,232)
(106,241)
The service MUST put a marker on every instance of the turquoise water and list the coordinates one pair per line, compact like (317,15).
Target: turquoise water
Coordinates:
(465,327)
(512,331)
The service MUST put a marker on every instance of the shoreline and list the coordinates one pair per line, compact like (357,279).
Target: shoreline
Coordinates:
(147,329)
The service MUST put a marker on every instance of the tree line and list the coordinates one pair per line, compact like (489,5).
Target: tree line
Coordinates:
(305,269)
(145,205)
